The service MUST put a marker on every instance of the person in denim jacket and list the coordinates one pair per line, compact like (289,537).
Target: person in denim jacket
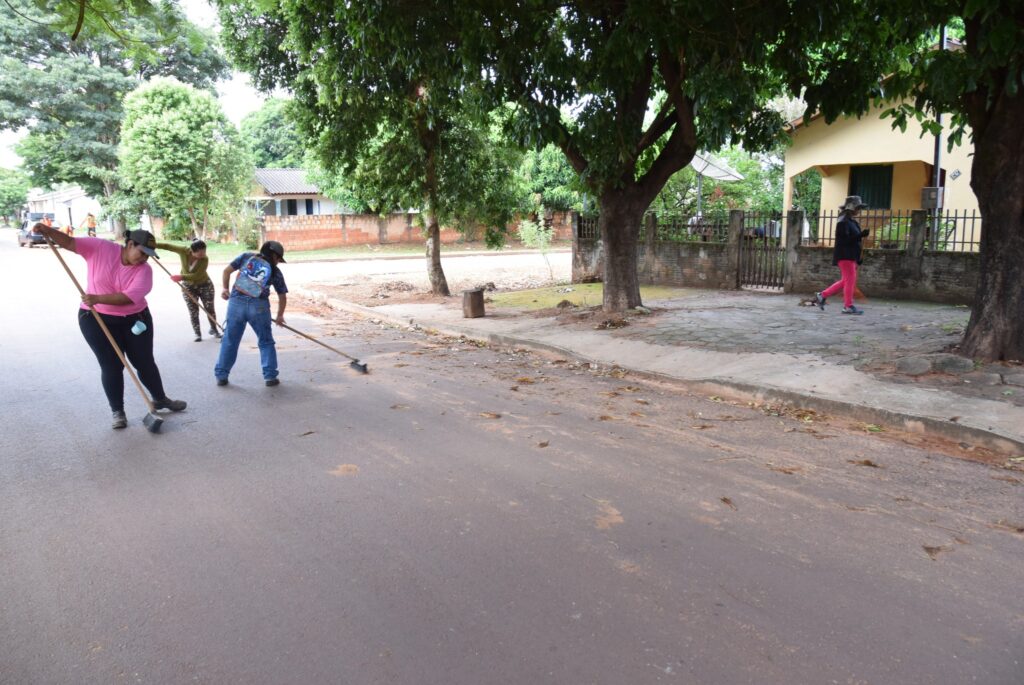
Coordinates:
(249,303)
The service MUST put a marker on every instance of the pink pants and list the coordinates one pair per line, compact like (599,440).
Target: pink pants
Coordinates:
(848,282)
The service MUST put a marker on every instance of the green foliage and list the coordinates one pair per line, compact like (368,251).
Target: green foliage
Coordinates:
(69,94)
(807,192)
(82,20)
(14,186)
(549,180)
(537,234)
(125,208)
(273,136)
(180,150)
(760,190)
(893,235)
(389,123)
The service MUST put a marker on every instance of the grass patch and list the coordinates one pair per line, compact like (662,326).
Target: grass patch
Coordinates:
(582,295)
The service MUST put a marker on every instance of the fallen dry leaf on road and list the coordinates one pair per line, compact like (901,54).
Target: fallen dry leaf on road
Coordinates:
(307,433)
(864,462)
(933,552)
(728,502)
(629,388)
(399,406)
(605,417)
(545,443)
(490,415)
(788,470)
(524,380)
(345,470)
(642,401)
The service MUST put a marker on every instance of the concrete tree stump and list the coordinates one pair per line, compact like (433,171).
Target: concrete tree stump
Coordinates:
(473,303)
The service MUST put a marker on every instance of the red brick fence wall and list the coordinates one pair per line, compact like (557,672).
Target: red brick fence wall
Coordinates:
(319,231)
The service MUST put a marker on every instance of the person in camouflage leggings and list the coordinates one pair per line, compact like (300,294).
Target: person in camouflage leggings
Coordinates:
(196,282)
(203,292)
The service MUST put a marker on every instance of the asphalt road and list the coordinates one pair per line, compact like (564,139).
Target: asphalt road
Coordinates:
(468,516)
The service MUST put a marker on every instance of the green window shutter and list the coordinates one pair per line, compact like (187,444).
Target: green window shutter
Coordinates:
(874,185)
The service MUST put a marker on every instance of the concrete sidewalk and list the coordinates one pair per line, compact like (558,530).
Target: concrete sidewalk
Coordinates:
(887,367)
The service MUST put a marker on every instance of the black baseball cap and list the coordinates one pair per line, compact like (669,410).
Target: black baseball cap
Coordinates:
(275,247)
(145,241)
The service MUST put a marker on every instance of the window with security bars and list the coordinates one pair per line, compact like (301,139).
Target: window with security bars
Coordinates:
(873,183)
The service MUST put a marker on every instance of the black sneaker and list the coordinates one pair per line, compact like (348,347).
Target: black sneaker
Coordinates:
(198,338)
(852,310)
(820,301)
(222,381)
(272,382)
(167,403)
(215,334)
(119,420)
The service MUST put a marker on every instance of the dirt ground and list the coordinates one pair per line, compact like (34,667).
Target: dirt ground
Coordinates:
(373,290)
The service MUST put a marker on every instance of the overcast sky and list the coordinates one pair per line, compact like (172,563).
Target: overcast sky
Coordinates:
(236,95)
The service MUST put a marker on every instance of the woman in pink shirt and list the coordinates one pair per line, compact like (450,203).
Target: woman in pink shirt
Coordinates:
(117,284)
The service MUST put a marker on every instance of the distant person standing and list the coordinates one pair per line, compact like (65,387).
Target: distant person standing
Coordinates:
(846,255)
(89,223)
(196,282)
(249,303)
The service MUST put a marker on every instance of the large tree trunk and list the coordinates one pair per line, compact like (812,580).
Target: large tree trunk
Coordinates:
(438,283)
(430,141)
(996,328)
(619,224)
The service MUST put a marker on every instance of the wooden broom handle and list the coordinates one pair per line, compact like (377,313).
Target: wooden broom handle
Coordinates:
(106,331)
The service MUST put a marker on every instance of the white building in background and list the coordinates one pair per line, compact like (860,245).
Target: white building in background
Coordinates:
(67,204)
(286,192)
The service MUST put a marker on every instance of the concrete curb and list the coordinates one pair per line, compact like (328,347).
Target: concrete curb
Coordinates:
(733,389)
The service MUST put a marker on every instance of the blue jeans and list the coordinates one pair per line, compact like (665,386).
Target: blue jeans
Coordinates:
(255,312)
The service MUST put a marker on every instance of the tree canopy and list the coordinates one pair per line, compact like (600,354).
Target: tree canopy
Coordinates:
(179,150)
(379,102)
(273,136)
(68,94)
(14,186)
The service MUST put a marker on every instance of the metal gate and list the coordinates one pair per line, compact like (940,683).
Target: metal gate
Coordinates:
(762,253)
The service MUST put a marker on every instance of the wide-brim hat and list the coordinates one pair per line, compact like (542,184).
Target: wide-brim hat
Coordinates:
(145,241)
(853,202)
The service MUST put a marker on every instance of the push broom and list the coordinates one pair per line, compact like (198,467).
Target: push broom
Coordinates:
(151,421)
(355,363)
(210,316)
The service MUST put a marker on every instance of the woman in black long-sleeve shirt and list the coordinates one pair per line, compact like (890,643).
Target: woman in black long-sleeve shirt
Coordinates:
(846,255)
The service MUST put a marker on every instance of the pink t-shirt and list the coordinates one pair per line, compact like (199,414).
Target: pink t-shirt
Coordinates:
(107,275)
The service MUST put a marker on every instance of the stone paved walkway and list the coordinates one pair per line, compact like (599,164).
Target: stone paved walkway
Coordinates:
(906,342)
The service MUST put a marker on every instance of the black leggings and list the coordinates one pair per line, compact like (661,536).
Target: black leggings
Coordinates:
(137,348)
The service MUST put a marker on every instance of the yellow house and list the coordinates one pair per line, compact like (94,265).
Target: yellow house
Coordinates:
(887,167)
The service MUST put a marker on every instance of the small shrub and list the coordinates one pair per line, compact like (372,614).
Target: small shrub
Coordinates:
(537,234)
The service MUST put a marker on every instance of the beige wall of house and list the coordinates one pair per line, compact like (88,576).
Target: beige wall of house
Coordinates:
(835,147)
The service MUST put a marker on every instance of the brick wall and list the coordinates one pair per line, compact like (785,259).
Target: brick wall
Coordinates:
(315,232)
(561,224)
(688,265)
(949,277)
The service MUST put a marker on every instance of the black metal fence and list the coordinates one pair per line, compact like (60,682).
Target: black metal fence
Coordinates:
(954,231)
(682,228)
(958,231)
(588,231)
